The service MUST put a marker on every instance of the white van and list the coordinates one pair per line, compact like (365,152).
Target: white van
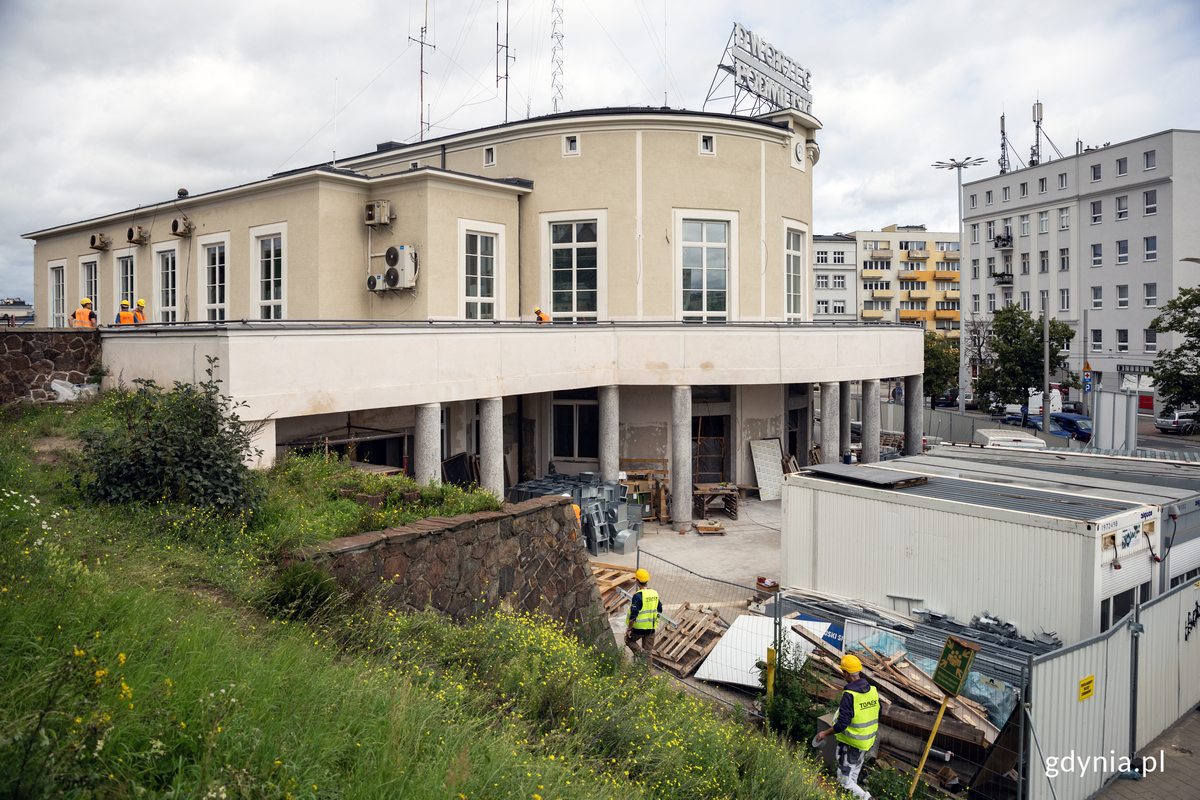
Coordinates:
(1001,437)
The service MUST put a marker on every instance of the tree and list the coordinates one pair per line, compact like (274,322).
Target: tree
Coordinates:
(1177,371)
(1016,347)
(941,364)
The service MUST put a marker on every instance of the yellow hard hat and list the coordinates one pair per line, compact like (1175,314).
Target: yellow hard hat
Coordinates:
(124,302)
(141,302)
(537,309)
(642,576)
(850,663)
(85,301)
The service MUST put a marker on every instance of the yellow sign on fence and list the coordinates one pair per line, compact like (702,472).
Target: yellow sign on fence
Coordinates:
(1087,687)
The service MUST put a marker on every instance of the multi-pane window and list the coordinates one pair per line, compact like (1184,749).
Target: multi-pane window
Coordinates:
(974,267)
(1095,172)
(795,272)
(1042,185)
(1064,218)
(705,270)
(975,303)
(822,256)
(871,286)
(168,298)
(1006,194)
(1007,226)
(877,265)
(1097,208)
(1150,199)
(1123,296)
(822,306)
(839,281)
(270,277)
(947,324)
(1097,255)
(125,290)
(1024,301)
(214,281)
(1064,259)
(1148,159)
(877,305)
(946,286)
(1123,207)
(1150,339)
(1008,263)
(58,297)
(1062,180)
(991,229)
(975,233)
(912,266)
(91,285)
(991,265)
(1024,263)
(573,292)
(822,282)
(839,256)
(908,286)
(974,201)
(946,247)
(912,305)
(1097,340)
(1122,166)
(1151,243)
(576,424)
(946,266)
(1008,301)
(946,305)
(1150,294)
(1043,261)
(875,245)
(1024,224)
(1097,297)
(479,267)
(913,245)
(987,197)
(839,306)
(1043,222)
(1122,340)
(1123,251)
(1064,299)
(991,301)
(1024,190)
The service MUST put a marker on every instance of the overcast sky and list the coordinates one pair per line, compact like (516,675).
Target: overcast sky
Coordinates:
(108,105)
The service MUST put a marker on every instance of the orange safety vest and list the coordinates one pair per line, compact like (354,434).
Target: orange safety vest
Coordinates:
(542,317)
(139,315)
(83,318)
(126,318)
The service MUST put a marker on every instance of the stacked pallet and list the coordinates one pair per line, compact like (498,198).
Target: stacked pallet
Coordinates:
(610,578)
(681,648)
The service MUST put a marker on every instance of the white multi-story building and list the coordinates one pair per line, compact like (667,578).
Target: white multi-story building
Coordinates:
(1099,236)
(835,277)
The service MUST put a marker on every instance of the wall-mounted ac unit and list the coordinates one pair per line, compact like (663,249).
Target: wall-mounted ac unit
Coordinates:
(375,283)
(99,241)
(181,227)
(377,212)
(135,235)
(402,267)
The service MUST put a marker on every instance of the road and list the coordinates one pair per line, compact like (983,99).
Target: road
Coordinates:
(1149,437)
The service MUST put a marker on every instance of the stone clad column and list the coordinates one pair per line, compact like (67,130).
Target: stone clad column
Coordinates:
(914,401)
(844,415)
(870,422)
(610,442)
(830,426)
(681,456)
(491,445)
(427,443)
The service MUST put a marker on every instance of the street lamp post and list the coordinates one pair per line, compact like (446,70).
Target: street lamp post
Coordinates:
(958,165)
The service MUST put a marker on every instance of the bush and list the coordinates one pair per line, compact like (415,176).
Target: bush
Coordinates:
(792,711)
(185,445)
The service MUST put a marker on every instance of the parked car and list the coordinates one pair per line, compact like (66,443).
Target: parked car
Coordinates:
(1181,422)
(1034,421)
(1072,407)
(1079,426)
(946,398)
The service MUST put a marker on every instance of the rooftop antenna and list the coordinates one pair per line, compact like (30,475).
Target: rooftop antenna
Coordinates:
(665,76)
(556,62)
(421,41)
(507,56)
(1003,162)
(336,59)
(1035,152)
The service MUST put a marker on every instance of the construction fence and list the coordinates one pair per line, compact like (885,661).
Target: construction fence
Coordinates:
(1098,702)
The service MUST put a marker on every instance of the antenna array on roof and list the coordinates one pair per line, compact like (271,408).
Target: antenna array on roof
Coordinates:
(556,61)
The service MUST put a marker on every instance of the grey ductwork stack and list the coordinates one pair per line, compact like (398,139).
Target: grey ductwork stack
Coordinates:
(610,518)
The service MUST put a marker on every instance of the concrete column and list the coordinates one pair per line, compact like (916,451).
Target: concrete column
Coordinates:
(806,426)
(870,422)
(844,415)
(610,441)
(427,443)
(681,456)
(914,401)
(264,440)
(491,444)
(830,426)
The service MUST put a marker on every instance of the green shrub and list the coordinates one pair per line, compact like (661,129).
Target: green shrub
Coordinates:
(299,591)
(185,444)
(792,711)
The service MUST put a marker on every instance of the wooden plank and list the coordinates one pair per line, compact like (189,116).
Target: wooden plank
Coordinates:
(921,724)
(957,708)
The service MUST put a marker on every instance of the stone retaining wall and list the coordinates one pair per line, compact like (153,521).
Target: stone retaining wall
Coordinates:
(29,360)
(530,556)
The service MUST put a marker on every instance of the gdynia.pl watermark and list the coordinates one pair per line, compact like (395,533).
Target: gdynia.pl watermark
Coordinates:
(1091,765)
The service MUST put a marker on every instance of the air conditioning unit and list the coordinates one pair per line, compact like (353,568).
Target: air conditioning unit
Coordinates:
(99,241)
(135,235)
(402,267)
(181,227)
(375,283)
(377,212)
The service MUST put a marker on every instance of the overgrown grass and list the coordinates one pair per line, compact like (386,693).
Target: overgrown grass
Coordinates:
(133,663)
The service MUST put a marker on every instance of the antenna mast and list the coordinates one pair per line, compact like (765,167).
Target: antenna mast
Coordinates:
(1035,152)
(421,41)
(507,57)
(556,62)
(1003,162)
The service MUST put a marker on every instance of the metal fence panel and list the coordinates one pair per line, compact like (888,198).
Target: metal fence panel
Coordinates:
(1168,661)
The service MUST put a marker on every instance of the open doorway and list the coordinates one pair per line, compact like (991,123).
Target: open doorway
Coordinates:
(710,463)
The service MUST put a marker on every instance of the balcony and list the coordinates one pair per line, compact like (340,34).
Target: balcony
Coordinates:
(874,273)
(945,313)
(951,255)
(879,255)
(919,294)
(1002,278)
(917,254)
(883,294)
(911,313)
(952,294)
(872,313)
(943,275)
(1003,242)
(909,275)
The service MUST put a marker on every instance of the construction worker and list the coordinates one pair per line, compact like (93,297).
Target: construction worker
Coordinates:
(84,317)
(139,313)
(856,725)
(541,316)
(125,316)
(642,621)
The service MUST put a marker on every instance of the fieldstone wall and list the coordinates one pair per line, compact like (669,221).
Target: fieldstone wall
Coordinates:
(29,360)
(531,556)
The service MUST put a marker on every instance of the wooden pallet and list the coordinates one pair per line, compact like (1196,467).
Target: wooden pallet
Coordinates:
(610,577)
(680,650)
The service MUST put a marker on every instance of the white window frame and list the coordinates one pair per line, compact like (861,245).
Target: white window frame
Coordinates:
(548,218)
(839,307)
(1006,194)
(568,150)
(1122,258)
(1097,255)
(732,275)
(706,144)
(500,274)
(1097,340)
(1097,209)
(1025,190)
(1149,160)
(839,256)
(1123,301)
(1024,222)
(1122,213)
(1064,299)
(806,267)
(1148,254)
(117,255)
(975,233)
(822,306)
(987,197)
(203,306)
(1043,185)
(57,269)
(1122,166)
(822,281)
(974,201)
(839,281)
(1062,180)
(489,156)
(158,308)
(1149,209)
(1024,263)
(90,292)
(1064,259)
(1097,173)
(257,234)
(1149,300)
(1043,221)
(1064,218)
(1149,340)
(1122,347)
(1024,301)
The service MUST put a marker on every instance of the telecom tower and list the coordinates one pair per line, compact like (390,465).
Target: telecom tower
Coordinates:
(556,55)
(1003,162)
(1035,152)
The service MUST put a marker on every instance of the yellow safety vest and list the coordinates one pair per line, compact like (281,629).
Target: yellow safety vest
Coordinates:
(647,618)
(864,724)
